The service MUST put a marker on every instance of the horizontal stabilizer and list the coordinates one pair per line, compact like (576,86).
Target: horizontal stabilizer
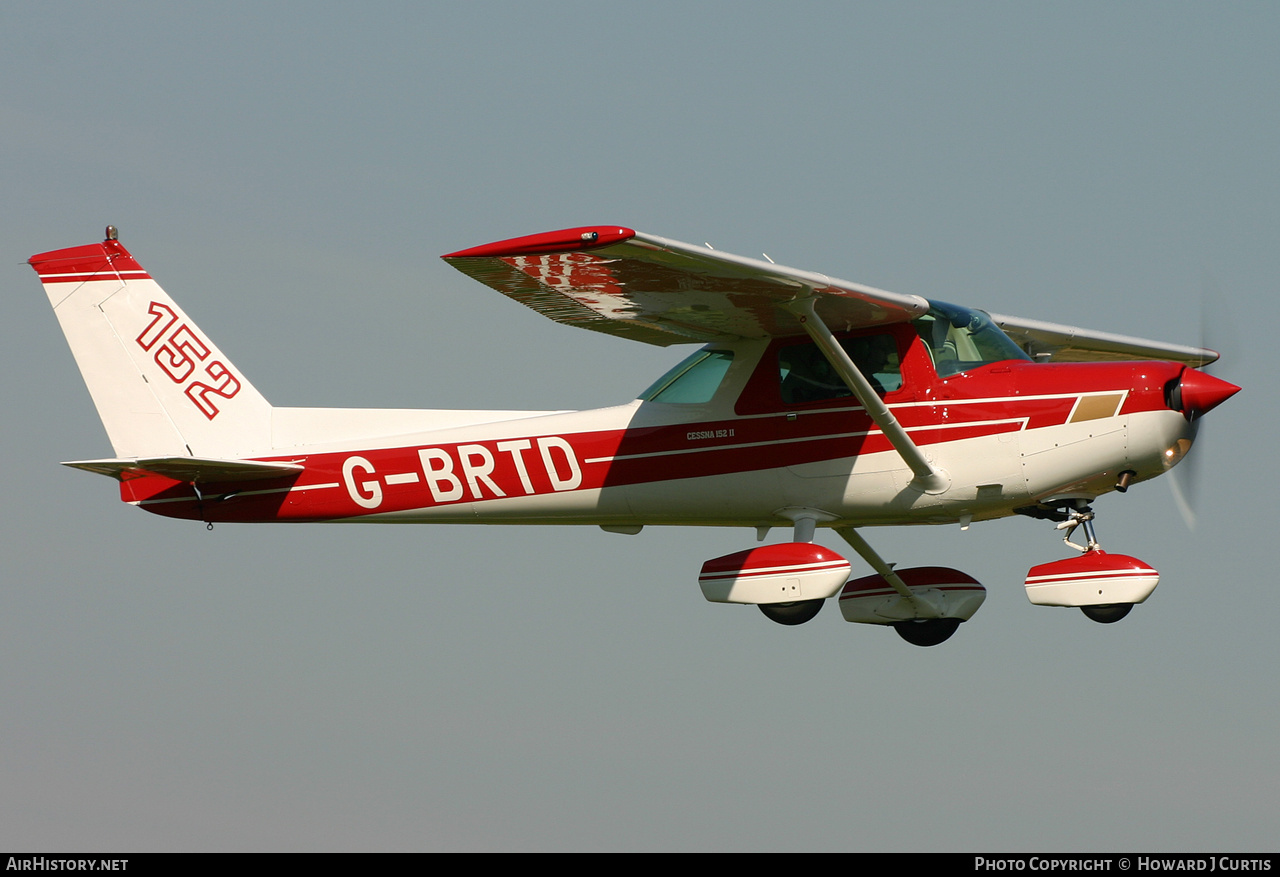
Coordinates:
(192,470)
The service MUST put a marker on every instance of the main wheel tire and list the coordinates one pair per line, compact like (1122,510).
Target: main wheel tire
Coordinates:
(1106,613)
(791,613)
(928,632)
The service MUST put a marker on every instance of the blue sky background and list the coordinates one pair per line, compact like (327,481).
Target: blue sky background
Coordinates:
(290,173)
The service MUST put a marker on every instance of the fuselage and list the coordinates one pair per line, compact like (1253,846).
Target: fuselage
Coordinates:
(736,436)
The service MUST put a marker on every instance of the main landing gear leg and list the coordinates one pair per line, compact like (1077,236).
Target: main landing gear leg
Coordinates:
(926,629)
(799,611)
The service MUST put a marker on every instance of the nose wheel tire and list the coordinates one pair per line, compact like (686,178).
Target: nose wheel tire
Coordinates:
(929,632)
(791,613)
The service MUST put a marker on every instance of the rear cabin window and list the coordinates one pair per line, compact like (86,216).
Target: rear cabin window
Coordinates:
(806,376)
(696,379)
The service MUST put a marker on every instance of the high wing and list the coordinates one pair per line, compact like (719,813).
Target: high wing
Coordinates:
(621,282)
(648,288)
(1051,341)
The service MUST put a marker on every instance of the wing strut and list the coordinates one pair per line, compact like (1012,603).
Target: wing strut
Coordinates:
(924,609)
(929,479)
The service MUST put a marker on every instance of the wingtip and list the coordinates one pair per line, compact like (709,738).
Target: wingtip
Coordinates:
(565,240)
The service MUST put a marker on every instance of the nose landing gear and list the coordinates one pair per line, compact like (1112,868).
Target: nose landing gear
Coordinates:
(1104,586)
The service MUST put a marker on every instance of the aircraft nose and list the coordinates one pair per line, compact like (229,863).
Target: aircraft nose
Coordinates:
(1199,392)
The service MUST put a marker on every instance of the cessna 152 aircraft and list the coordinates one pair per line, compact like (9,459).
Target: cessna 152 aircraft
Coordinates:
(811,402)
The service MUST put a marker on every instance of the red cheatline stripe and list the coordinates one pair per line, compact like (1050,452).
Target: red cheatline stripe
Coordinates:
(773,571)
(1075,577)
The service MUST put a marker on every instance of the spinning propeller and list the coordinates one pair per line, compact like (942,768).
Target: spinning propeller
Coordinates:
(1197,393)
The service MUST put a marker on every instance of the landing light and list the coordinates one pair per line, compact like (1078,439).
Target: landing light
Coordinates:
(1174,455)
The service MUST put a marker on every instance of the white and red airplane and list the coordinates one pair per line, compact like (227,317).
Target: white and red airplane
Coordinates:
(811,402)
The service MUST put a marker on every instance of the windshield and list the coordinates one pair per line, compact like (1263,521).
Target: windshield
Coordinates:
(696,379)
(960,339)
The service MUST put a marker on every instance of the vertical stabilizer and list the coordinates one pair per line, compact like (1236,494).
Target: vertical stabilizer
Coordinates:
(160,385)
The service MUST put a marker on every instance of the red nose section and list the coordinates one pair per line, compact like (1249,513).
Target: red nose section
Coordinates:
(1202,392)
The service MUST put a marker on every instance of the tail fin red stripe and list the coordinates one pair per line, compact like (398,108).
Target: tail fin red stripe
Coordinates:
(78,264)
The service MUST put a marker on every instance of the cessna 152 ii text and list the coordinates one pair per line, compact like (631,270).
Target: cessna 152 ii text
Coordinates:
(811,402)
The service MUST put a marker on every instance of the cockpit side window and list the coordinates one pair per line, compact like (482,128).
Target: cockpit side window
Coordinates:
(960,339)
(694,380)
(807,376)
